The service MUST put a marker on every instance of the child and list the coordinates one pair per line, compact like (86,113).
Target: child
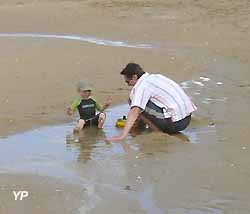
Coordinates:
(87,107)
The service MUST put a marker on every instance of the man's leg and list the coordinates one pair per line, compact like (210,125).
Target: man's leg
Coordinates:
(151,125)
(140,125)
(79,125)
(153,116)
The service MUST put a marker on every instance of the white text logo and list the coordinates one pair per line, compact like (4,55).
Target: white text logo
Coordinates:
(20,195)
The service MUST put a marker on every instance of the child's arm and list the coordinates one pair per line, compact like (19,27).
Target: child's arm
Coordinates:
(106,104)
(70,111)
(75,103)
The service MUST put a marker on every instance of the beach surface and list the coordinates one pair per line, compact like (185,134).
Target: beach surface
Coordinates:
(47,46)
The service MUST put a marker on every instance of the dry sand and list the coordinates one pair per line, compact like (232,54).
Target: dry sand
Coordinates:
(190,39)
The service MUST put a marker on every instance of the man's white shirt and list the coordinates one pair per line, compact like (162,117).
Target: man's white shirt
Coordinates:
(163,92)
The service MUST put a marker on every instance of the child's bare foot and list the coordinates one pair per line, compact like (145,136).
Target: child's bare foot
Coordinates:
(79,126)
(76,129)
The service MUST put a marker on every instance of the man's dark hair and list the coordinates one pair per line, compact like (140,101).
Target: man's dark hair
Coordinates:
(132,69)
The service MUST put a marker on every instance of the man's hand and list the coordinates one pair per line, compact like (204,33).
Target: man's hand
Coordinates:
(132,116)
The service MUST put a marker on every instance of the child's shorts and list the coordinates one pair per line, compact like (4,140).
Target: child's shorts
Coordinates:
(92,121)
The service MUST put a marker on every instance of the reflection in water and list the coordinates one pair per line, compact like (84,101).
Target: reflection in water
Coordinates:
(85,142)
(146,200)
(100,167)
(182,137)
(43,149)
(90,143)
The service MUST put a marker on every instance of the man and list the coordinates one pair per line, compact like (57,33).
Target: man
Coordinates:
(157,100)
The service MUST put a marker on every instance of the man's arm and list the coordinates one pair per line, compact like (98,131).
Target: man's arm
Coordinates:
(132,116)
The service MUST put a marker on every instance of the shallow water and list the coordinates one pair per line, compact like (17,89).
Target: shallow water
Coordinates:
(49,150)
(87,159)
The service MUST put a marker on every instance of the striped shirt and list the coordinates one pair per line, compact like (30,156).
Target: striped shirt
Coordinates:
(164,93)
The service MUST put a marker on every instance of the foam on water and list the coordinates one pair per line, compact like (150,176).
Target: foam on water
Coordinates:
(80,38)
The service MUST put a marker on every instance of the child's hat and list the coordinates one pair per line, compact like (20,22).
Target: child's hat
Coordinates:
(84,86)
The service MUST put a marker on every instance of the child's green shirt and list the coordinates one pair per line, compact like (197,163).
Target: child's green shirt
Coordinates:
(76,102)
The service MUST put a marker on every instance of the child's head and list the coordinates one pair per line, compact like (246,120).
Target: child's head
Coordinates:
(84,89)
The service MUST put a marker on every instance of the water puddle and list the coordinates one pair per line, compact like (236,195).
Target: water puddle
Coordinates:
(78,38)
(48,150)
(87,159)
(53,150)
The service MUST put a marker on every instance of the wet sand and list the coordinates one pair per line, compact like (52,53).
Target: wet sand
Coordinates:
(201,44)
(186,45)
(46,195)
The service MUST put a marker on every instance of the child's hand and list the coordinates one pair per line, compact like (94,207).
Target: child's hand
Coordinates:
(108,102)
(69,111)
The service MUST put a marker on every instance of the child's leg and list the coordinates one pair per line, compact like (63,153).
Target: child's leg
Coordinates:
(79,125)
(101,120)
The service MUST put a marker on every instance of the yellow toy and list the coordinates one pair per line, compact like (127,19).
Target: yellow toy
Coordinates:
(120,123)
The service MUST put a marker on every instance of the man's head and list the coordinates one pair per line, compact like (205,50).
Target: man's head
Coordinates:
(84,89)
(132,72)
